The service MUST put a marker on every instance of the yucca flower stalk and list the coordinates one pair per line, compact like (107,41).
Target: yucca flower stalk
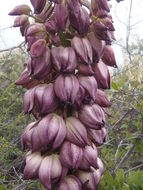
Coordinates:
(66,75)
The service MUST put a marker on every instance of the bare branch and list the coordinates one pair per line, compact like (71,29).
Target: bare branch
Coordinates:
(121,119)
(128,153)
(134,168)
(116,154)
(129,30)
(12,48)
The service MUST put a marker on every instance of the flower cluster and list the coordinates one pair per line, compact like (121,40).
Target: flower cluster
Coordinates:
(69,46)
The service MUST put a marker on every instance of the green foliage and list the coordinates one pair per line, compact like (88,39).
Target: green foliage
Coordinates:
(122,154)
(133,181)
(12,123)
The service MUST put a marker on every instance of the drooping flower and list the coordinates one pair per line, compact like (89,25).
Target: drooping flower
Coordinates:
(101,31)
(66,88)
(48,133)
(89,158)
(92,116)
(32,165)
(102,75)
(102,99)
(71,155)
(107,21)
(21,20)
(70,182)
(78,16)
(76,132)
(25,80)
(89,179)
(64,59)
(38,48)
(40,100)
(89,84)
(85,69)
(20,10)
(97,136)
(50,170)
(41,65)
(26,136)
(83,49)
(35,32)
(109,57)
(97,46)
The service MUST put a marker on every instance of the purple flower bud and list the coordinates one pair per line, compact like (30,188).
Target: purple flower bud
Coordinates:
(97,46)
(40,99)
(102,99)
(97,136)
(83,49)
(20,10)
(102,75)
(89,84)
(50,170)
(71,155)
(35,32)
(61,15)
(64,59)
(71,183)
(20,20)
(38,5)
(89,158)
(32,165)
(109,57)
(89,179)
(85,69)
(66,88)
(41,66)
(76,132)
(79,18)
(38,48)
(49,133)
(92,116)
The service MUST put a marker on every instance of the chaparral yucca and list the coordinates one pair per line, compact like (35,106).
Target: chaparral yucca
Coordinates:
(66,74)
